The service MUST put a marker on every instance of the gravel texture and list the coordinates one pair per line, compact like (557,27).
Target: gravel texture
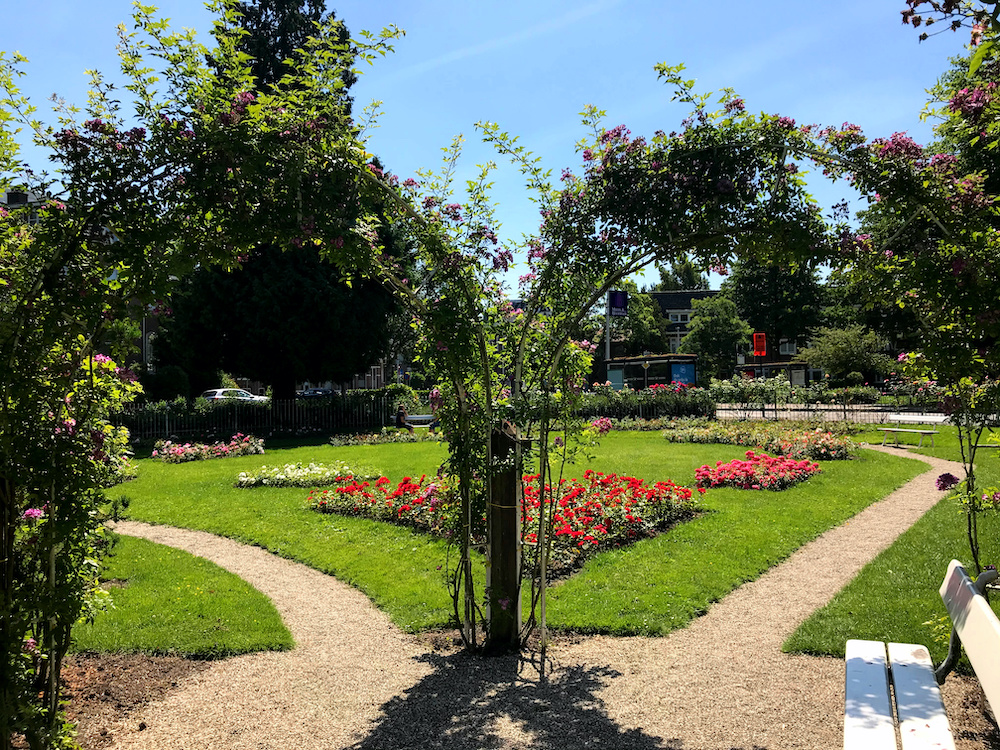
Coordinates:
(355,681)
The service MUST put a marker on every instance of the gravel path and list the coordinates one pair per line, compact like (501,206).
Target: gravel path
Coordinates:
(355,681)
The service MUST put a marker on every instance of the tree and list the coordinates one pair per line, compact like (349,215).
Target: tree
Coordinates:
(715,334)
(930,241)
(842,351)
(282,316)
(641,330)
(276,33)
(204,171)
(783,301)
(679,275)
(285,316)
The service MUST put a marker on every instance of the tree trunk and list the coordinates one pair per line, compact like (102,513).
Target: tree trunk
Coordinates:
(504,579)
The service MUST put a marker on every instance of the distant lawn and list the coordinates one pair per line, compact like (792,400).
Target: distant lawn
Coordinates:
(660,584)
(652,587)
(168,601)
(898,591)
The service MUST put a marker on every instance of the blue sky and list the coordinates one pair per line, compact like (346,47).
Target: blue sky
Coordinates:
(532,65)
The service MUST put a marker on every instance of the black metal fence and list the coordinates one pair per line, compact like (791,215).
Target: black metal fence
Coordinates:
(221,420)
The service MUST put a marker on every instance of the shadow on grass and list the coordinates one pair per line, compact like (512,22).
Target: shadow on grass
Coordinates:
(505,702)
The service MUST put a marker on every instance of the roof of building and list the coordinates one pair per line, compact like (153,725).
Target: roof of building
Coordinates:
(681,299)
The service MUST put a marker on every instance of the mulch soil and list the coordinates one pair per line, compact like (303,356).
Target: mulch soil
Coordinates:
(103,689)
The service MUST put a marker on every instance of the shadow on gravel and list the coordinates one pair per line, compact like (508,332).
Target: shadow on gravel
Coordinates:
(504,702)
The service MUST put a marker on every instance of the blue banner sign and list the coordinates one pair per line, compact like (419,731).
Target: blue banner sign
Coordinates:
(618,303)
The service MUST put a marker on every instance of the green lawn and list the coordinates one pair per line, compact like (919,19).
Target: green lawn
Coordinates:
(661,583)
(651,587)
(897,593)
(168,601)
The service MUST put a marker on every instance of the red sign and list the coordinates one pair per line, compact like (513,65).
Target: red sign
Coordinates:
(759,345)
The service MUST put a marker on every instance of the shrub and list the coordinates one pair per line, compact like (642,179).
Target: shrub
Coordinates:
(387,435)
(176,453)
(659,400)
(777,390)
(297,475)
(824,443)
(758,472)
(599,511)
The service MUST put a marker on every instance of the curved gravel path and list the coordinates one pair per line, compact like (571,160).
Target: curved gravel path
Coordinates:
(355,681)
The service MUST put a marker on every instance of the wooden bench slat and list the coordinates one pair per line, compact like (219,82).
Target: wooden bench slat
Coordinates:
(868,721)
(977,626)
(923,724)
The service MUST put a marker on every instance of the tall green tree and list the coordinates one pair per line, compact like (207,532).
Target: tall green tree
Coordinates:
(285,316)
(277,31)
(680,275)
(783,301)
(716,332)
(200,171)
(842,351)
(282,316)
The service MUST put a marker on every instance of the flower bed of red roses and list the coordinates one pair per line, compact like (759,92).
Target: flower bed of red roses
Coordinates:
(598,512)
(758,472)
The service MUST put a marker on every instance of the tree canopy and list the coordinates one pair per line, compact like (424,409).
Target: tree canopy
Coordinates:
(679,275)
(284,317)
(843,351)
(281,316)
(782,300)
(715,334)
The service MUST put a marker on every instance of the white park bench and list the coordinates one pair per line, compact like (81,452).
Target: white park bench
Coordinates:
(912,419)
(911,715)
(917,418)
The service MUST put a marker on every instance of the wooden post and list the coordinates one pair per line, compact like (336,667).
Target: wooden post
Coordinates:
(503,579)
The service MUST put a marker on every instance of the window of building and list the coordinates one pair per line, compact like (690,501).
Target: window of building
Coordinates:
(787,347)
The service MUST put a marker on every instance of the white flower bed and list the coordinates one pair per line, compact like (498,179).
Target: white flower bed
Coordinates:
(299,475)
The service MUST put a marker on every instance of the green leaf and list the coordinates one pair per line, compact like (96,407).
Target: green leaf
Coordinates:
(977,58)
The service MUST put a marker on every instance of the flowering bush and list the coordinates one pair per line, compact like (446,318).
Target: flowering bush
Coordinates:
(778,390)
(602,425)
(758,472)
(817,444)
(387,435)
(599,511)
(946,481)
(425,505)
(297,475)
(178,453)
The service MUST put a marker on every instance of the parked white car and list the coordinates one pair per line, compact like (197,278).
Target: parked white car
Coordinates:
(225,394)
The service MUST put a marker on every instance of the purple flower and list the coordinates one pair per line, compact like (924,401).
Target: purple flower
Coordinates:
(946,481)
(33,514)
